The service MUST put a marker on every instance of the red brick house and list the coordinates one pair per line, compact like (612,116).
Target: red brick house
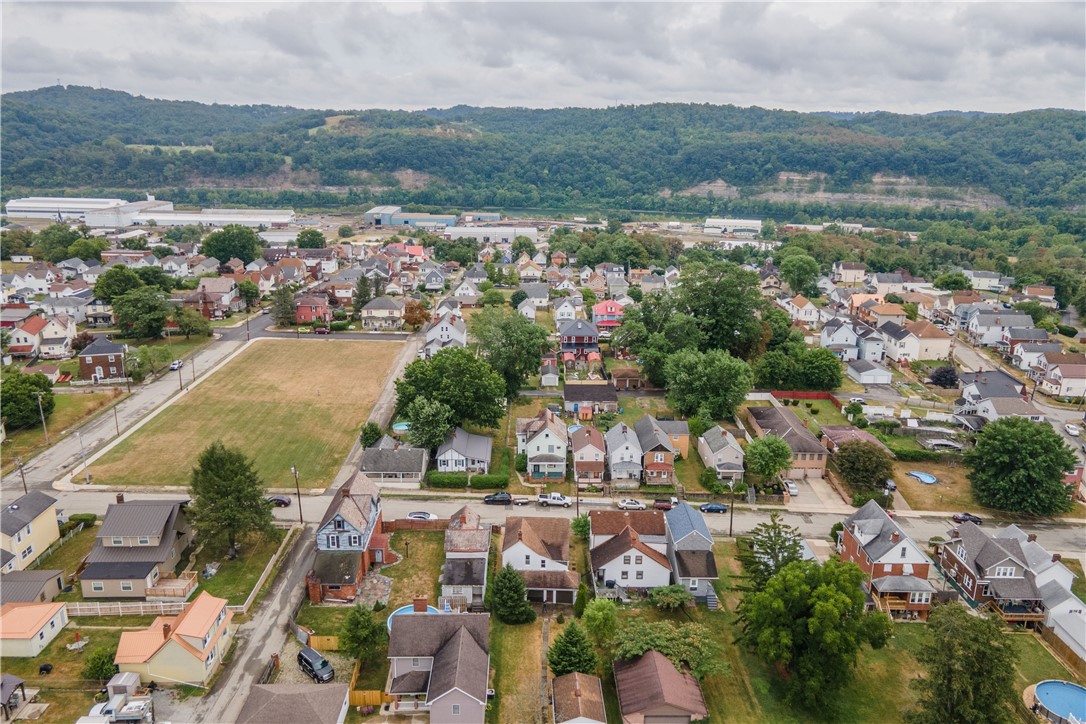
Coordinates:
(349,542)
(896,568)
(311,308)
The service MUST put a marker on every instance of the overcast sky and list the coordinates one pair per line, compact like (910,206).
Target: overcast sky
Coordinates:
(906,57)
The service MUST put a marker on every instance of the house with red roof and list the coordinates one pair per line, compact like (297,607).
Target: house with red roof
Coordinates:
(27,338)
(607,315)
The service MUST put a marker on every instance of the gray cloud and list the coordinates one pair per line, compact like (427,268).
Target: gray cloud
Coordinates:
(905,56)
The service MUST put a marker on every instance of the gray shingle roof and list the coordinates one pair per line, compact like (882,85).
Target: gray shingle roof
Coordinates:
(23,511)
(684,519)
(902,584)
(458,642)
(476,447)
(384,303)
(651,436)
(292,703)
(717,438)
(872,520)
(696,564)
(117,570)
(101,346)
(135,518)
(785,424)
(402,459)
(464,572)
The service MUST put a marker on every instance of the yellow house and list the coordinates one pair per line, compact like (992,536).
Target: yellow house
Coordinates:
(186,648)
(27,628)
(27,528)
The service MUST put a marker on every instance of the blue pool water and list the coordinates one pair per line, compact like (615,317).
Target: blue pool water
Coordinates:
(925,478)
(401,427)
(1063,699)
(407,610)
(574,428)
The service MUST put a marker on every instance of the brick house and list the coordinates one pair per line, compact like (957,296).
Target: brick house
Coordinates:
(588,455)
(102,361)
(310,308)
(895,568)
(808,455)
(349,541)
(657,451)
(578,338)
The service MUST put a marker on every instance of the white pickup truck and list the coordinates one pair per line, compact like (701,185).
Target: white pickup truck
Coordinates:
(547,499)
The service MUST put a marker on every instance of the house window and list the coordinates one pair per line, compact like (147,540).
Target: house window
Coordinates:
(985,590)
(625,560)
(886,567)
(920,597)
(338,524)
(41,636)
(98,587)
(117,541)
(456,709)
(144,540)
(640,575)
(52,624)
(542,562)
(902,551)
(355,541)
(333,541)
(659,457)
(528,560)
(693,584)
(961,552)
(639,559)
(28,530)
(415,663)
(625,575)
(154,573)
(967,582)
(28,551)
(126,585)
(1004,572)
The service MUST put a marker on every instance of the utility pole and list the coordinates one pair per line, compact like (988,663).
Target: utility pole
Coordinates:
(22,474)
(116,421)
(247,326)
(180,380)
(41,411)
(83,454)
(124,371)
(731,507)
(298,490)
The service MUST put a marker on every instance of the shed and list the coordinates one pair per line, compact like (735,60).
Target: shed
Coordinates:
(868,373)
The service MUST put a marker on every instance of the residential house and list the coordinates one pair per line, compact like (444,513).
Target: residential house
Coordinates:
(994,408)
(577,699)
(769,281)
(617,285)
(651,689)
(895,568)
(309,308)
(527,309)
(1065,619)
(57,337)
(849,272)
(28,526)
(802,310)
(850,339)
(607,316)
(589,452)
(1043,292)
(1026,355)
(529,271)
(625,561)
(393,463)
(538,294)
(14,315)
(292,703)
(99,313)
(565,309)
(1062,375)
(448,304)
(834,436)
(549,375)
(690,550)
(649,525)
(539,549)
(988,281)
(868,373)
(383,313)
(136,550)
(624,456)
(463,452)
(36,585)
(585,399)
(886,283)
(63,290)
(808,455)
(579,338)
(476,274)
(986,328)
(440,665)
(543,440)
(879,313)
(199,266)
(446,332)
(926,304)
(187,648)
(74,307)
(658,452)
(102,361)
(932,343)
(467,552)
(433,281)
(559,258)
(721,453)
(26,340)
(175,266)
(1002,573)
(75,266)
(627,378)
(349,542)
(27,628)
(1017,335)
(656,284)
(51,372)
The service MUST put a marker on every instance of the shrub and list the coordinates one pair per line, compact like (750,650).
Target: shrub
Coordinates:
(814,410)
(885,500)
(99,665)
(886,426)
(560,618)
(1066,331)
(84,518)
(489,482)
(68,527)
(835,529)
(378,606)
(338,326)
(339,314)
(521,462)
(916,456)
(860,421)
(581,601)
(446,480)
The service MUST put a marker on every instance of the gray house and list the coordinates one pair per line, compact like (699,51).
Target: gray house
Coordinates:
(464,452)
(439,664)
(623,456)
(391,462)
(720,452)
(690,549)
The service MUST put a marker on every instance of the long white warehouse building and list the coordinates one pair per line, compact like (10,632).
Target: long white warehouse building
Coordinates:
(491,234)
(54,207)
(739,228)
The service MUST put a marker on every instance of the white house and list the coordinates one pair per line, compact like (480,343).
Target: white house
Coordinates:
(627,561)
(448,331)
(1025,355)
(802,310)
(539,549)
(868,373)
(466,289)
(721,453)
(465,452)
(1065,380)
(564,310)
(57,336)
(994,408)
(987,327)
(527,309)
(27,628)
(548,375)
(624,456)
(543,439)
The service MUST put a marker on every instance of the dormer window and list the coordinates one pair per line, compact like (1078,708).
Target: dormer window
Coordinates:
(338,524)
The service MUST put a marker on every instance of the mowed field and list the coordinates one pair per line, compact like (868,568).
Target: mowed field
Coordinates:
(283,403)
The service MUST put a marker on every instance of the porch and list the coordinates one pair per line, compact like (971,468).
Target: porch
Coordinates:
(173,588)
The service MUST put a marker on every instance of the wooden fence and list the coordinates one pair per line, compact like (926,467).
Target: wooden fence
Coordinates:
(126,608)
(1063,651)
(324,643)
(365,697)
(391,526)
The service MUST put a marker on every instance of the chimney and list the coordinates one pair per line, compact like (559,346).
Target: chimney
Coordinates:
(1056,557)
(120,498)
(577,686)
(463,519)
(419,604)
(624,428)
(955,533)
(1031,537)
(166,628)
(895,537)
(346,492)
(520,534)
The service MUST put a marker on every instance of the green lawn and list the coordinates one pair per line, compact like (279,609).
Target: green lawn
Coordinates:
(68,557)
(323,620)
(827,414)
(422,554)
(282,403)
(236,578)
(515,657)
(634,408)
(1078,586)
(70,410)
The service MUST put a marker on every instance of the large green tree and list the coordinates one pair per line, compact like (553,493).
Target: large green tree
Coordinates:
(52,242)
(141,312)
(572,652)
(511,343)
(190,322)
(362,294)
(800,272)
(725,299)
(228,497)
(809,622)
(688,644)
(431,422)
(88,249)
(154,276)
(456,377)
(970,670)
(508,597)
(601,620)
(233,240)
(360,633)
(767,457)
(282,307)
(1018,466)
(19,399)
(115,282)
(819,369)
(864,465)
(713,383)
(955,282)
(311,239)
(770,547)
(250,292)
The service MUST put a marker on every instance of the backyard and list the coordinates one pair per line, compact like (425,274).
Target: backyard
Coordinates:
(284,404)
(515,653)
(235,579)
(952,493)
(69,555)
(70,411)
(422,554)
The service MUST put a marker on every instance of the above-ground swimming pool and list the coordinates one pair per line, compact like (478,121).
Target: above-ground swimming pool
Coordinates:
(925,478)
(1061,701)
(408,610)
(401,427)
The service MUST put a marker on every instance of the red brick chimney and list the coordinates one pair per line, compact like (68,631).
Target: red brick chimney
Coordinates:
(166,628)
(1031,537)
(120,498)
(895,537)
(419,604)
(346,492)
(1056,557)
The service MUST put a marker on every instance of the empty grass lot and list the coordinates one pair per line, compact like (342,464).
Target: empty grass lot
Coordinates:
(515,657)
(282,403)
(236,578)
(70,410)
(421,555)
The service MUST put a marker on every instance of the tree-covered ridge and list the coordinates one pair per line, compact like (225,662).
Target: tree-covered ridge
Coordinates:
(623,157)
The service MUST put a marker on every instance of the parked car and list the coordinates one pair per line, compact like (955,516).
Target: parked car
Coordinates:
(266,310)
(177,364)
(279,501)
(665,503)
(321,330)
(791,487)
(521,501)
(547,499)
(966,518)
(498,499)
(421,515)
(713,508)
(1073,430)
(891,485)
(857,400)
(630,504)
(315,666)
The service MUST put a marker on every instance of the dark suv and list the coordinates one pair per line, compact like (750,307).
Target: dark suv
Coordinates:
(315,666)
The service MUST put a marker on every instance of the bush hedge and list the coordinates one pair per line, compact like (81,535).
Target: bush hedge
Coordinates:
(1066,330)
(446,480)
(338,326)
(85,518)
(886,501)
(489,482)
(657,489)
(907,455)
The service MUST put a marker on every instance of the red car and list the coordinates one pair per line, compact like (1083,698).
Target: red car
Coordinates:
(321,330)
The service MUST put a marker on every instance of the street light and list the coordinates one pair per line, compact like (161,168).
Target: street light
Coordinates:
(180,381)
(298,490)
(83,454)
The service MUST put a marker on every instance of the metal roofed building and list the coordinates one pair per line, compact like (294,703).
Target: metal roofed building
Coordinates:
(54,207)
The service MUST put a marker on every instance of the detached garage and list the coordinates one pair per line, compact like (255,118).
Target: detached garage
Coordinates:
(868,373)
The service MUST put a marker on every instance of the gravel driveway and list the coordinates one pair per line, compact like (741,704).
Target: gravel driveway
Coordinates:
(291,673)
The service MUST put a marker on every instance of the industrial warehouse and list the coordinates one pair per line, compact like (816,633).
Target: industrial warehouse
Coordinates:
(113,213)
